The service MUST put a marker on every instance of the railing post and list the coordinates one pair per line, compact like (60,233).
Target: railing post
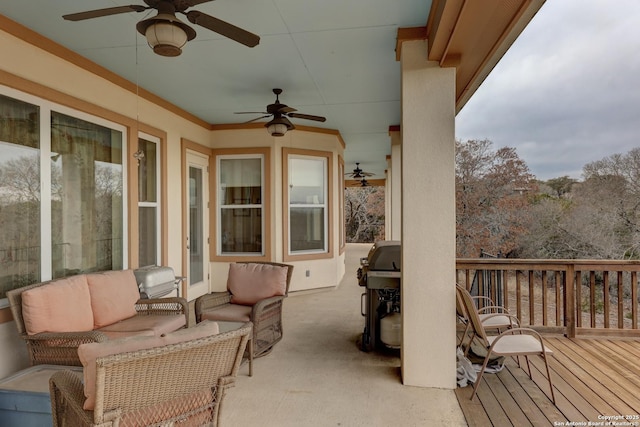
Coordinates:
(570,301)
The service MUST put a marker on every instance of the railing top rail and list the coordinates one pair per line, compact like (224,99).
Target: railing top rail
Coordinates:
(548,264)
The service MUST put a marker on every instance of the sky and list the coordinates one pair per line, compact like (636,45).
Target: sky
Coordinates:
(567,93)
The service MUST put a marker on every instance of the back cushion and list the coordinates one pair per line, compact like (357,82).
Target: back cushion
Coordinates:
(88,353)
(113,296)
(250,282)
(60,306)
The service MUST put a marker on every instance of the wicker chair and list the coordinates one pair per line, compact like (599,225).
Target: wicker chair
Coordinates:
(266,314)
(181,384)
(61,348)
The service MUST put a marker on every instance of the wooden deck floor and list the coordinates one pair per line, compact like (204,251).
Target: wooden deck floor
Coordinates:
(592,378)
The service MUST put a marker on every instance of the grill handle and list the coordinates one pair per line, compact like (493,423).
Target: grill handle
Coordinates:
(363,304)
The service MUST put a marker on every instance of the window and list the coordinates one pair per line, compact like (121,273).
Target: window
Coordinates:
(342,234)
(19,194)
(307,195)
(149,242)
(86,196)
(241,204)
(62,195)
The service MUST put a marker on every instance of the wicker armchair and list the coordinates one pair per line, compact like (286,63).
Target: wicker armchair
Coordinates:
(181,384)
(61,348)
(266,314)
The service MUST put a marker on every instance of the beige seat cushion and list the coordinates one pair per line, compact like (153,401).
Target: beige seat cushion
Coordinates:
(115,335)
(251,282)
(158,324)
(88,353)
(518,344)
(63,305)
(228,312)
(113,296)
(496,321)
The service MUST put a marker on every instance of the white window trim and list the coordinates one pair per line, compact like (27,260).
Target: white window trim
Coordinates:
(324,205)
(46,107)
(219,206)
(158,203)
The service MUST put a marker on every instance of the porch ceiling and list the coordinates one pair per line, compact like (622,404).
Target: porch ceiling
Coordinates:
(332,58)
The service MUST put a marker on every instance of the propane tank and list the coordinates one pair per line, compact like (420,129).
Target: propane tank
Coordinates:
(391,330)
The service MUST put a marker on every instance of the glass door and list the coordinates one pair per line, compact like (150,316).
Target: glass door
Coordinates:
(197,225)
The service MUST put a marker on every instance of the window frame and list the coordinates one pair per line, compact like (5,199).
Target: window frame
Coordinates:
(327,253)
(159,203)
(341,206)
(46,107)
(264,153)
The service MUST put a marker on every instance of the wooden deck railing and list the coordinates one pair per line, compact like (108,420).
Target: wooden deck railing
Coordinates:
(573,297)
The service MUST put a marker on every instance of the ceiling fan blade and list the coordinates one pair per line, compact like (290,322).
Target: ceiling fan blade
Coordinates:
(258,118)
(221,27)
(191,3)
(80,16)
(286,109)
(307,117)
(250,112)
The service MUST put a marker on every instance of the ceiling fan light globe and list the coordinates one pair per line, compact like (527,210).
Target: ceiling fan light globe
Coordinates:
(279,126)
(277,129)
(166,34)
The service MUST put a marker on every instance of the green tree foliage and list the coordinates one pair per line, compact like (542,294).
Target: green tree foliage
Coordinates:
(561,186)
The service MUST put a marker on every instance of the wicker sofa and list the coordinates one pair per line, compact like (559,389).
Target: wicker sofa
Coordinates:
(178,379)
(57,316)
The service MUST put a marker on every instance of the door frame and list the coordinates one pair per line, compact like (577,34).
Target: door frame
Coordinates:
(189,148)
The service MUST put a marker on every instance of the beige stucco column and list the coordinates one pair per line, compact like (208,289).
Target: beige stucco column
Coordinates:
(428,220)
(396,185)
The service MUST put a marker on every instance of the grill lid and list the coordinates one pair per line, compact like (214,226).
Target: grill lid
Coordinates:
(155,281)
(384,256)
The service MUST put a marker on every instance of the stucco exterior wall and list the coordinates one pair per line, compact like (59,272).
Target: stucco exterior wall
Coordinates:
(307,274)
(33,70)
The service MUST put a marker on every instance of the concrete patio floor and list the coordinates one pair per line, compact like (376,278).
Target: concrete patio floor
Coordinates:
(317,376)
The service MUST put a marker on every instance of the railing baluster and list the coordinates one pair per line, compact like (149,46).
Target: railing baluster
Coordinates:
(592,297)
(620,301)
(493,286)
(532,315)
(578,304)
(518,295)
(557,283)
(634,299)
(605,297)
(570,301)
(505,287)
(544,297)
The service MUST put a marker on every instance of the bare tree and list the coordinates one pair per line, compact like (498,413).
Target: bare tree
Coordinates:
(492,197)
(364,214)
(598,218)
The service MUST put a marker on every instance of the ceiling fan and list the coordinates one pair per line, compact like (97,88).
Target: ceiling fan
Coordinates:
(165,33)
(280,124)
(361,183)
(358,173)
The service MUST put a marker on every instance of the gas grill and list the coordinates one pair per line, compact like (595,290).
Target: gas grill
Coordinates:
(380,303)
(155,281)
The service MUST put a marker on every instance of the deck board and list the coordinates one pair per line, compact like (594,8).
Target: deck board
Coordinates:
(591,377)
